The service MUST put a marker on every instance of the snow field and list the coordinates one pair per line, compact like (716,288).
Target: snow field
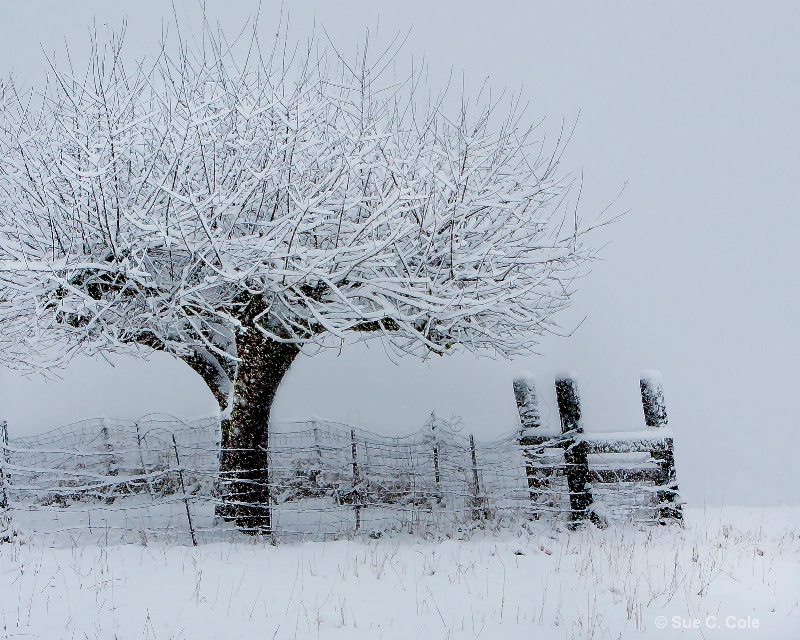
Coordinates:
(728,567)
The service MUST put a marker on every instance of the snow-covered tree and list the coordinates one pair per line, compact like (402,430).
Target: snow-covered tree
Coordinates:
(233,212)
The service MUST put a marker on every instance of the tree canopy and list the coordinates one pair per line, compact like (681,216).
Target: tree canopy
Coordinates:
(167,202)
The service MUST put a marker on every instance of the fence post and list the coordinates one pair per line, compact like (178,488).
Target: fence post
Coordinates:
(655,417)
(183,490)
(431,437)
(315,473)
(145,470)
(356,479)
(527,401)
(317,447)
(575,449)
(112,468)
(6,532)
(529,439)
(478,502)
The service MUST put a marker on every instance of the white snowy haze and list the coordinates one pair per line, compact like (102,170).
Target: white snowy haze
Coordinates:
(695,105)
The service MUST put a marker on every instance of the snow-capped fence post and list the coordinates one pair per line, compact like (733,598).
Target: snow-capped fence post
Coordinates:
(529,438)
(5,506)
(183,490)
(655,417)
(655,410)
(575,449)
(527,401)
(356,478)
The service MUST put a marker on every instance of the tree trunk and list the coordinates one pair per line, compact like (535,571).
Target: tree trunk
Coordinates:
(244,464)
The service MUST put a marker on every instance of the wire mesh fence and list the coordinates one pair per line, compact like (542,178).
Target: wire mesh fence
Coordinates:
(160,477)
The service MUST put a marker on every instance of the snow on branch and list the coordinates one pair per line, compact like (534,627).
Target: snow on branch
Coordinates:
(170,204)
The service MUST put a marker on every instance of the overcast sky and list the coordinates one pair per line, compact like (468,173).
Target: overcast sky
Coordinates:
(694,105)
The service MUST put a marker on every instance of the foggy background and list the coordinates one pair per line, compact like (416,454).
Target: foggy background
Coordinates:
(694,105)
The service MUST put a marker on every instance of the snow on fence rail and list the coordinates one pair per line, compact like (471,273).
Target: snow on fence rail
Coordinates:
(159,476)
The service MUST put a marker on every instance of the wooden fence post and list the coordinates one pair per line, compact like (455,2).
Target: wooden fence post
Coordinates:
(575,449)
(107,448)
(356,479)
(655,417)
(529,438)
(6,532)
(317,447)
(183,490)
(479,510)
(145,470)
(527,401)
(112,463)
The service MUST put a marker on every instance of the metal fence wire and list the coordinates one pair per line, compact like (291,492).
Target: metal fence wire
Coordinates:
(159,477)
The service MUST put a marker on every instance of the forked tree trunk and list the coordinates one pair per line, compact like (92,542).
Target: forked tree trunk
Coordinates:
(244,463)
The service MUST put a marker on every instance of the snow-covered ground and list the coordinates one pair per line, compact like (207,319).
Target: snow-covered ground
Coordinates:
(731,573)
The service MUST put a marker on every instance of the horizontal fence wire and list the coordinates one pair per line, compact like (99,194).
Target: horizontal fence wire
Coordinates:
(140,479)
